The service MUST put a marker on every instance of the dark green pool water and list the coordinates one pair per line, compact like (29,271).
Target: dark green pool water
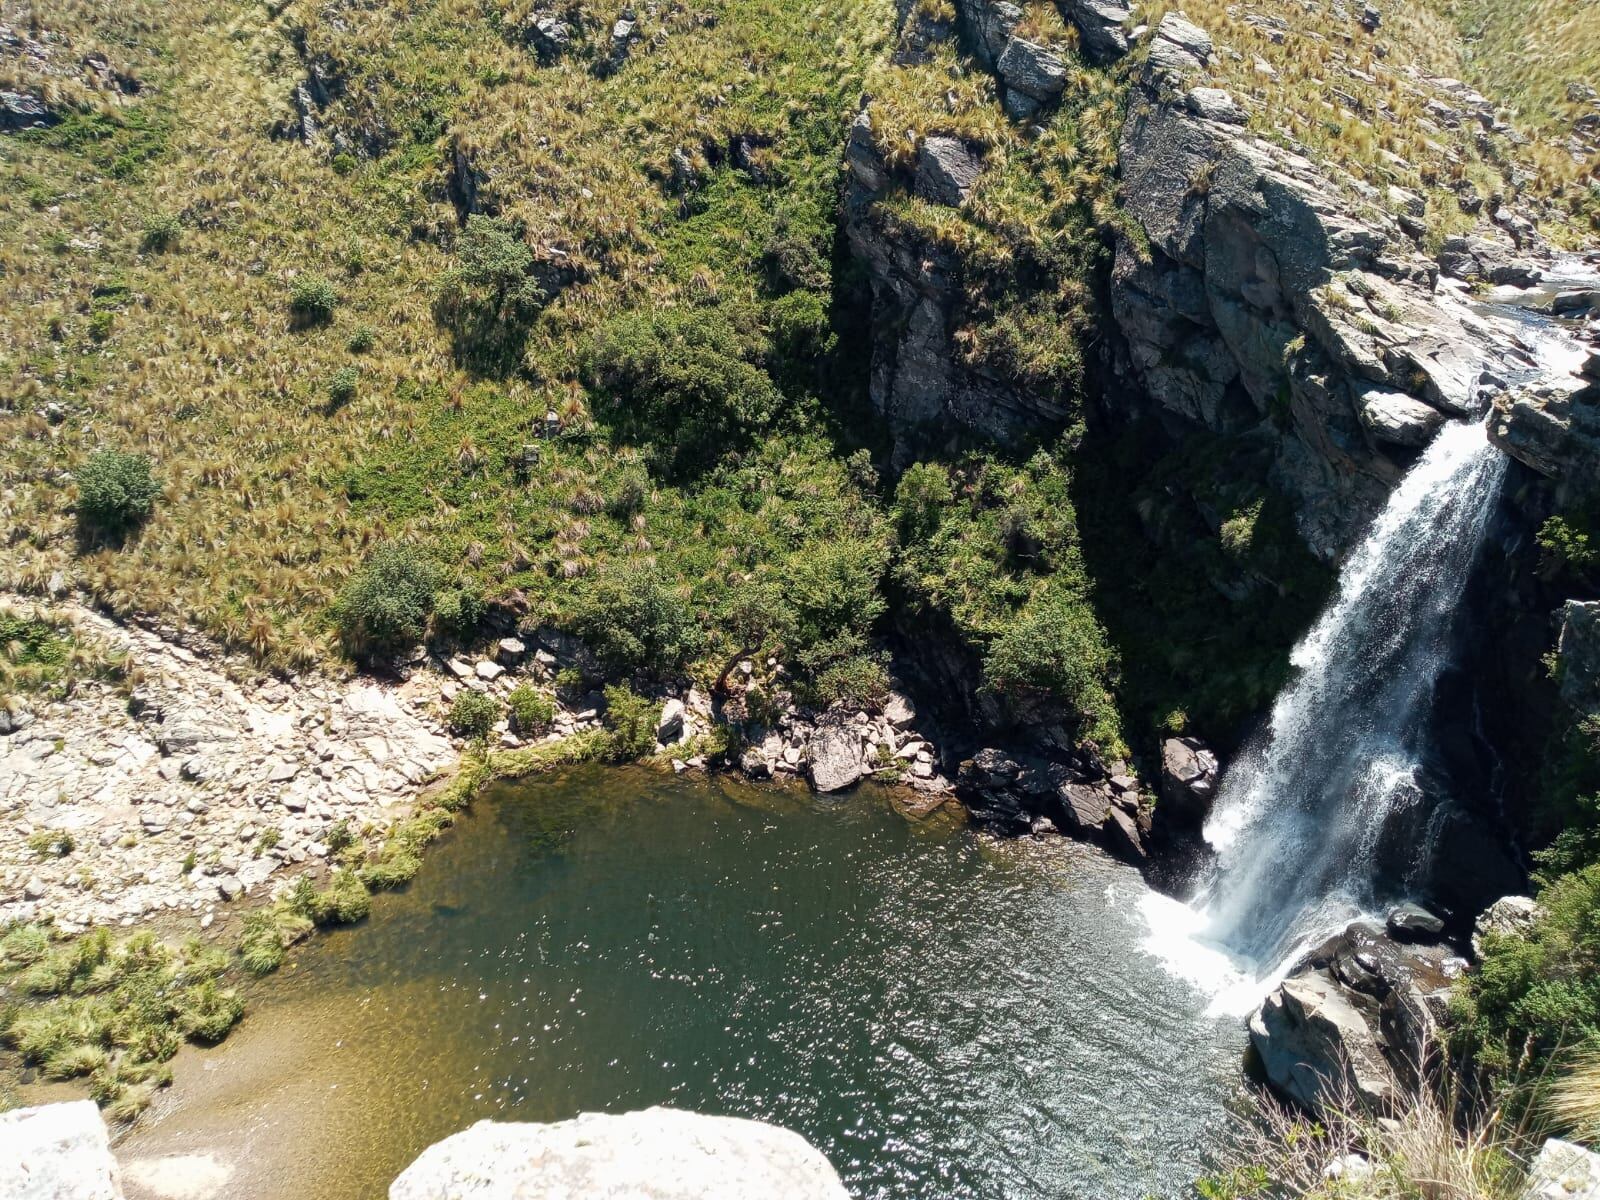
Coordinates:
(943,1014)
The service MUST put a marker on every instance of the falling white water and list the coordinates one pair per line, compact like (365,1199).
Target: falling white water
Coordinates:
(1303,815)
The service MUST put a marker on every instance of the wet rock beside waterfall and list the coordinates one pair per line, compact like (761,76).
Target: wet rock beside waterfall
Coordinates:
(1189,773)
(1396,418)
(1313,1041)
(1413,923)
(657,1154)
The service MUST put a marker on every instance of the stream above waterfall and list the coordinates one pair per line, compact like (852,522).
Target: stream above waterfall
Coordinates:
(943,1013)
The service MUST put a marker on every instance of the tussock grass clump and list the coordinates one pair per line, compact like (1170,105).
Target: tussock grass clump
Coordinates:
(111,1011)
(1431,1146)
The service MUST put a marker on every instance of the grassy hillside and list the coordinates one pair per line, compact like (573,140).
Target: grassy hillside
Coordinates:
(262,318)
(1527,52)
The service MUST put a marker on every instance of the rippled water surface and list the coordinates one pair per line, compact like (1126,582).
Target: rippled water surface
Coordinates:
(945,1015)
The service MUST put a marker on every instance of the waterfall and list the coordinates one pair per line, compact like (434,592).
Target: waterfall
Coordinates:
(1299,824)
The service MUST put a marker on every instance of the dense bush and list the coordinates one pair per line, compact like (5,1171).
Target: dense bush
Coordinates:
(457,611)
(634,618)
(1056,650)
(631,718)
(473,714)
(116,491)
(531,710)
(386,603)
(683,379)
(362,339)
(1532,996)
(489,298)
(312,301)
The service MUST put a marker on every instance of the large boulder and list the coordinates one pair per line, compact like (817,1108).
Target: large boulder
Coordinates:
(657,1154)
(1563,1171)
(1101,22)
(835,757)
(1312,1039)
(57,1152)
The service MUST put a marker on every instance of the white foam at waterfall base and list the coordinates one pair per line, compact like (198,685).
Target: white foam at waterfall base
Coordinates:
(1299,821)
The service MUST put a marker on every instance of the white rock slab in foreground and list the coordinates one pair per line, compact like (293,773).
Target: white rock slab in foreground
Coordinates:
(657,1154)
(1564,1171)
(57,1152)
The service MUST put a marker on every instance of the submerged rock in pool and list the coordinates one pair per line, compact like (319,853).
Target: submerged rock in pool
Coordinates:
(657,1154)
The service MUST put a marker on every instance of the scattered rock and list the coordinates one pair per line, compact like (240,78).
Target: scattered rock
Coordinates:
(657,1154)
(669,729)
(1214,104)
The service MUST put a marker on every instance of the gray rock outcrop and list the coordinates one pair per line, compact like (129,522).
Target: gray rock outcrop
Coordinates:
(57,1152)
(1264,297)
(1509,916)
(1578,655)
(657,1154)
(835,754)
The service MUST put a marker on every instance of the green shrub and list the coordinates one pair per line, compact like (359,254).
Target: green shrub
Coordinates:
(490,297)
(684,379)
(161,232)
(101,322)
(631,718)
(634,618)
(473,714)
(362,340)
(1532,996)
(531,710)
(342,387)
(116,491)
(457,611)
(312,301)
(1055,649)
(385,605)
